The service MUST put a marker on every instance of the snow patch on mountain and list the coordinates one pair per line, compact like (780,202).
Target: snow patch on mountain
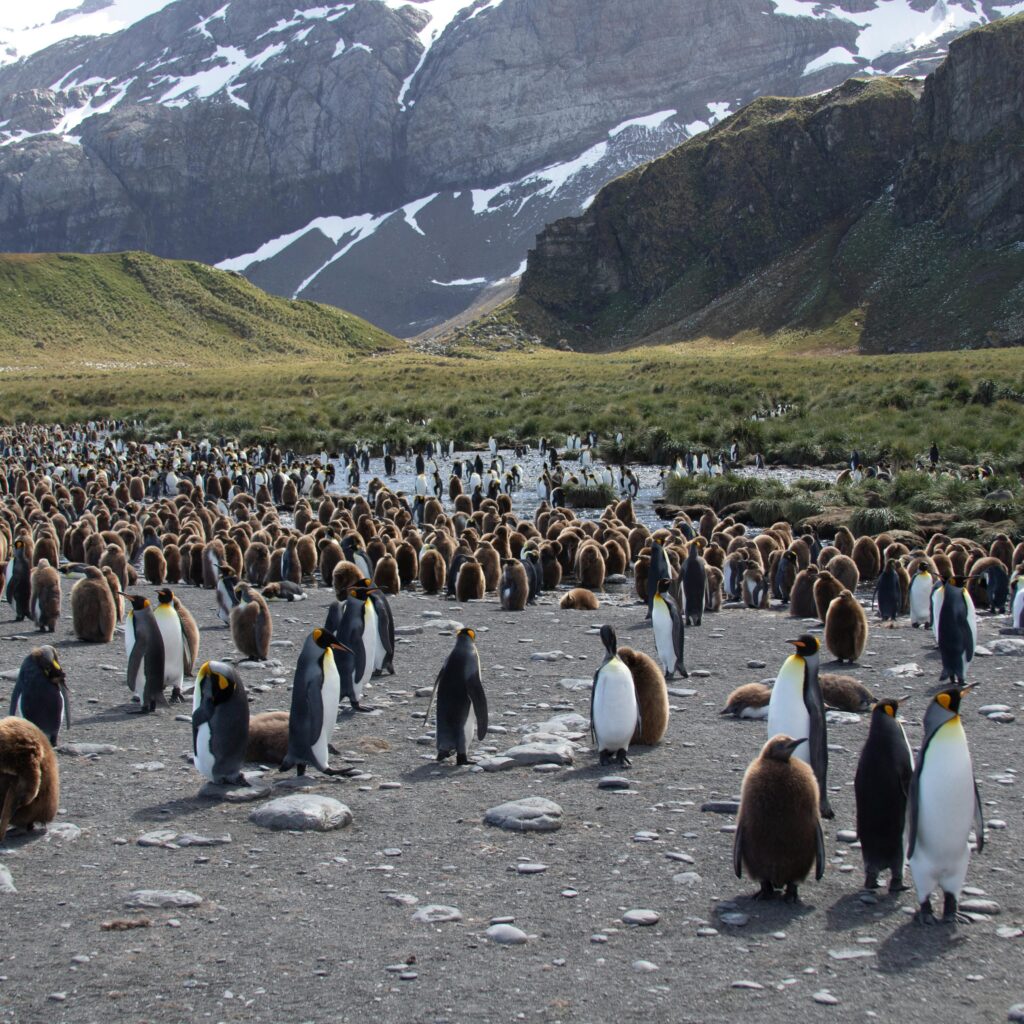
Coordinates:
(837,55)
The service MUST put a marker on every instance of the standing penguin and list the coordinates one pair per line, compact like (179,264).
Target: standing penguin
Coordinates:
(797,708)
(614,714)
(19,586)
(220,724)
(778,828)
(944,805)
(316,691)
(657,570)
(176,646)
(846,628)
(921,597)
(44,600)
(514,587)
(889,593)
(226,595)
(957,632)
(251,624)
(695,582)
(881,787)
(669,631)
(41,693)
(461,701)
(384,652)
(346,621)
(145,648)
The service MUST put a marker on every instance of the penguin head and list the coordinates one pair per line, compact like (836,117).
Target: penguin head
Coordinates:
(806,645)
(780,748)
(138,601)
(216,680)
(887,706)
(663,585)
(947,702)
(467,634)
(45,658)
(165,595)
(609,639)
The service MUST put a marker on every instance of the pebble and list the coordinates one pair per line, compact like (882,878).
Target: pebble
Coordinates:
(530,868)
(506,935)
(849,954)
(530,814)
(1002,717)
(613,782)
(721,806)
(558,752)
(757,664)
(235,794)
(1016,1012)
(700,673)
(992,709)
(598,938)
(645,837)
(687,878)
(736,918)
(569,894)
(707,932)
(979,906)
(437,913)
(6,880)
(1005,646)
(57,997)
(87,749)
(550,656)
(825,998)
(642,918)
(63,831)
(156,899)
(846,835)
(302,812)
(747,984)
(681,691)
(402,899)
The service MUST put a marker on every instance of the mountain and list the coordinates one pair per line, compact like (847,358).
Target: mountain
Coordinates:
(879,212)
(396,159)
(133,309)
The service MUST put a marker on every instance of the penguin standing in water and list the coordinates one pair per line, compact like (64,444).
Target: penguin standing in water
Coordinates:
(177,650)
(797,708)
(144,641)
(778,828)
(881,787)
(614,713)
(316,691)
(669,631)
(944,805)
(461,701)
(41,694)
(220,724)
(957,634)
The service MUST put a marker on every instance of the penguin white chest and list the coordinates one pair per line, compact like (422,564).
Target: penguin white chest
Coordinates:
(787,713)
(615,708)
(369,647)
(1018,606)
(937,596)
(174,648)
(920,600)
(664,635)
(204,755)
(330,696)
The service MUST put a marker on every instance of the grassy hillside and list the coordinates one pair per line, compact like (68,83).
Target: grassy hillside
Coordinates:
(133,308)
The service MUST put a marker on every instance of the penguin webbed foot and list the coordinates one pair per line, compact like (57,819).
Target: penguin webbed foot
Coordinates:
(791,895)
(606,758)
(621,758)
(461,759)
(766,892)
(924,915)
(826,811)
(871,880)
(176,697)
(951,915)
(443,755)
(364,708)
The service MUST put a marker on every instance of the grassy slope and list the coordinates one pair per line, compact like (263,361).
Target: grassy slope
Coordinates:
(70,309)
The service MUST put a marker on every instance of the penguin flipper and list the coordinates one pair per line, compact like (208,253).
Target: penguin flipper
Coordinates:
(476,694)
(819,853)
(202,715)
(15,696)
(737,852)
(66,694)
(186,651)
(135,657)
(979,820)
(817,741)
(912,808)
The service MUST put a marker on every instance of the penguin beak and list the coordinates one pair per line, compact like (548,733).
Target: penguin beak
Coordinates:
(797,644)
(341,647)
(793,744)
(968,687)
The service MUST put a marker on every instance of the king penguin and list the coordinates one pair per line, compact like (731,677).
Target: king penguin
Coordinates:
(316,691)
(797,709)
(40,694)
(614,713)
(957,632)
(944,805)
(658,569)
(226,596)
(461,701)
(177,654)
(220,724)
(881,787)
(669,631)
(921,597)
(145,647)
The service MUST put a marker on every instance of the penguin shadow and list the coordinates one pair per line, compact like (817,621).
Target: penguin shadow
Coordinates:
(914,945)
(19,837)
(765,916)
(171,810)
(425,772)
(120,713)
(848,912)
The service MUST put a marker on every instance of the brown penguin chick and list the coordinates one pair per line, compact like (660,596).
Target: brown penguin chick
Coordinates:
(845,570)
(189,630)
(748,701)
(843,541)
(251,625)
(433,571)
(580,600)
(778,828)
(490,563)
(867,558)
(513,587)
(408,563)
(305,549)
(172,562)
(846,627)
(651,696)
(844,693)
(293,572)
(345,576)
(29,776)
(330,555)
(257,563)
(116,592)
(641,570)
(93,612)
(783,572)
(289,494)
(801,597)
(943,566)
(713,593)
(756,592)
(114,559)
(615,560)
(550,567)
(44,596)
(268,738)
(590,568)
(385,575)
(154,566)
(1002,548)
(469,584)
(826,589)
(46,547)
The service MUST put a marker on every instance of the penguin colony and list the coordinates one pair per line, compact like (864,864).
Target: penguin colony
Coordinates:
(259,525)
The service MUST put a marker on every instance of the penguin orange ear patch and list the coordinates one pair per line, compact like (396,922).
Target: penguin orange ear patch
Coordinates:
(943,699)
(317,633)
(890,710)
(222,682)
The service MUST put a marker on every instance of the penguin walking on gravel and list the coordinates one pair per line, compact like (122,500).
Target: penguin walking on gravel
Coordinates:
(144,643)
(921,597)
(881,787)
(944,805)
(957,633)
(41,694)
(316,691)
(797,708)
(220,724)
(614,712)
(695,583)
(778,828)
(18,588)
(226,594)
(461,701)
(346,622)
(888,593)
(658,569)
(384,651)
(177,651)
(669,631)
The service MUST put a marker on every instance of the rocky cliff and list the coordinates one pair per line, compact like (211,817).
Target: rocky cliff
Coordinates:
(393,158)
(899,218)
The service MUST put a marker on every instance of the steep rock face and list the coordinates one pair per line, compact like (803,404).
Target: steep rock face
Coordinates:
(723,204)
(966,170)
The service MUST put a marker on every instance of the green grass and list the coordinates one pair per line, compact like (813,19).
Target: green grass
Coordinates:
(581,496)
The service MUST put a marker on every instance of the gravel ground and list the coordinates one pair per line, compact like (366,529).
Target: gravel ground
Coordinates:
(304,926)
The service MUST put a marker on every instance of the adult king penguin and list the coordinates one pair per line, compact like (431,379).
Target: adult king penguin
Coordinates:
(944,805)
(921,597)
(669,632)
(220,724)
(614,713)
(177,652)
(957,632)
(40,694)
(461,701)
(145,648)
(796,708)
